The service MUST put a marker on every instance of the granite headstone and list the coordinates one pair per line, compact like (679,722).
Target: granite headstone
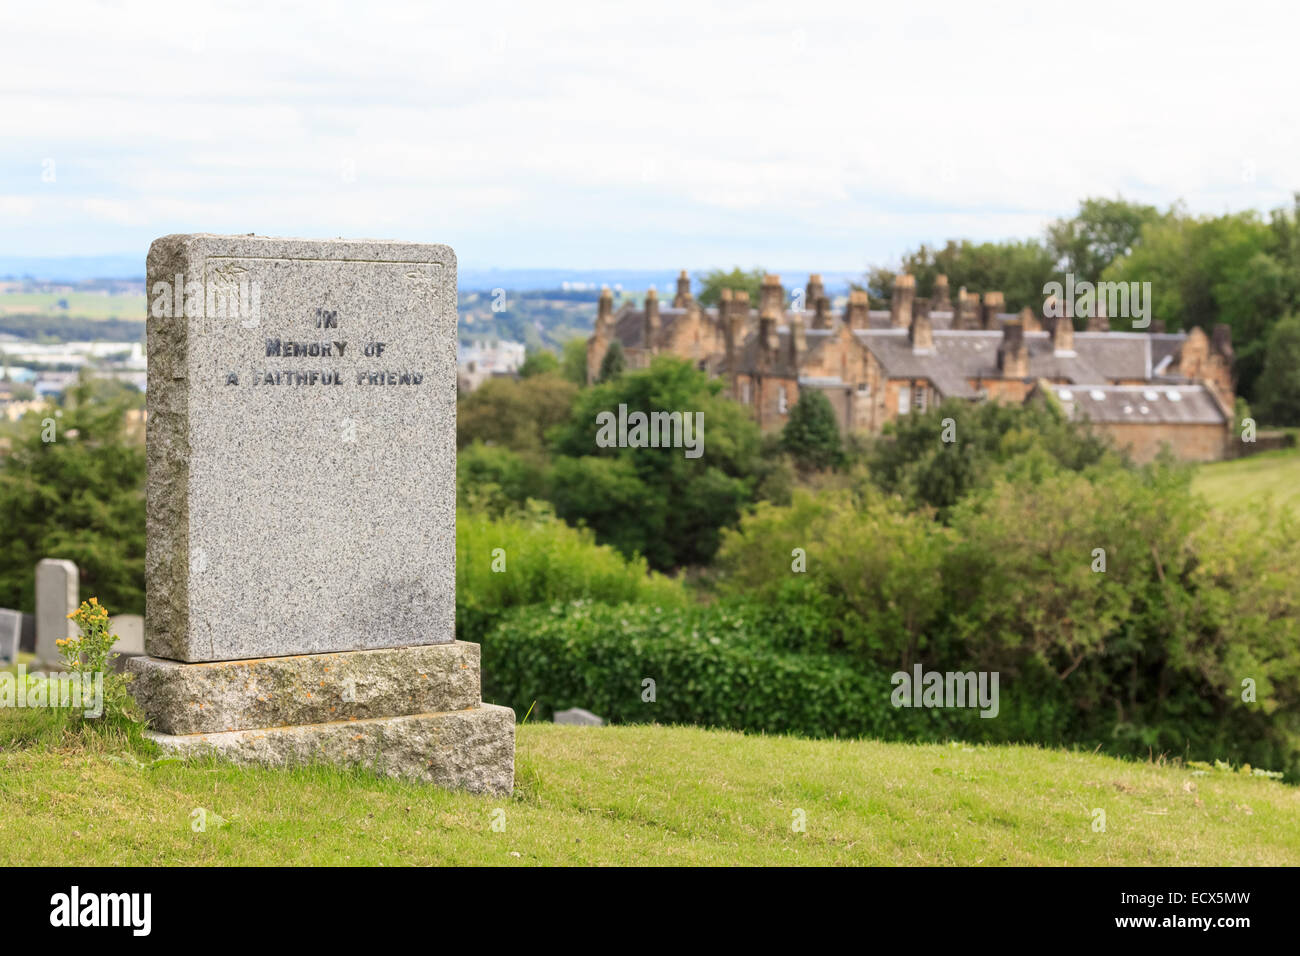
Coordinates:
(301,535)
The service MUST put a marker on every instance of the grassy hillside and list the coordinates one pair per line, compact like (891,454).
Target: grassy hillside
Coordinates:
(1275,473)
(653,795)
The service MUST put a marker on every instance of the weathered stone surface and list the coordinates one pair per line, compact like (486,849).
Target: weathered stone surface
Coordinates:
(467,749)
(316,513)
(11,629)
(57,582)
(313,688)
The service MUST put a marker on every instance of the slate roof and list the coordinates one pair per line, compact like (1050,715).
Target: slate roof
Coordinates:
(1142,404)
(959,356)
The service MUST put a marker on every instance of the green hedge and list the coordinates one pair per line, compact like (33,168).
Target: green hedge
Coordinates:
(721,666)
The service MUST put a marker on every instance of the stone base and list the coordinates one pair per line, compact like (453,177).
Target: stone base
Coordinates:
(411,712)
(472,749)
(305,689)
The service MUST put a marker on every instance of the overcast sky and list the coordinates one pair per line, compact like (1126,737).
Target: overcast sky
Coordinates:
(597,135)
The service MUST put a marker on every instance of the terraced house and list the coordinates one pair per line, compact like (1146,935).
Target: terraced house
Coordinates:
(1146,388)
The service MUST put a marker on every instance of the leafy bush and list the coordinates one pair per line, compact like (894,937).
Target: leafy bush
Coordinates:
(495,479)
(914,461)
(544,560)
(1152,652)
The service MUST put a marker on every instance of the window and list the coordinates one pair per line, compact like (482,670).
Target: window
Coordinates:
(782,403)
(864,390)
(744,393)
(904,401)
(919,397)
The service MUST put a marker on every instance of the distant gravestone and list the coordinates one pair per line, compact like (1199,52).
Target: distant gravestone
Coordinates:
(578,718)
(129,629)
(11,632)
(57,585)
(301,510)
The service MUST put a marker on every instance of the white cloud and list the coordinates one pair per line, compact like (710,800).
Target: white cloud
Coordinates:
(589,134)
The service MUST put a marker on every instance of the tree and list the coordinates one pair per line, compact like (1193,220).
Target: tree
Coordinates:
(613,364)
(811,434)
(539,362)
(73,487)
(1101,231)
(1210,269)
(512,414)
(919,462)
(737,280)
(573,361)
(1017,269)
(657,501)
(1279,383)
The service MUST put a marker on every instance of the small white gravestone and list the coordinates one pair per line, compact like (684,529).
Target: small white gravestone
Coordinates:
(129,629)
(578,717)
(57,583)
(11,629)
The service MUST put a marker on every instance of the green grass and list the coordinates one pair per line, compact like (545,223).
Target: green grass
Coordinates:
(650,795)
(1246,480)
(84,305)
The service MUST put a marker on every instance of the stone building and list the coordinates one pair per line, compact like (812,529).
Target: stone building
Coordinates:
(875,365)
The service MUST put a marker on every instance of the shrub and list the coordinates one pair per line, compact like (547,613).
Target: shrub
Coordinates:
(544,560)
(728,665)
(1150,653)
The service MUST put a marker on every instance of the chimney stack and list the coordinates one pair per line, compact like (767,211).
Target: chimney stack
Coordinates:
(900,301)
(940,300)
(768,339)
(857,312)
(1029,321)
(822,314)
(604,311)
(683,296)
(724,323)
(651,319)
(1063,335)
(1013,353)
(740,314)
(994,302)
(814,291)
(772,296)
(798,341)
(921,333)
(1097,321)
(965,311)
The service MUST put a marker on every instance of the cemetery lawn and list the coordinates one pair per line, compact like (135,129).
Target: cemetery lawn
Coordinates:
(648,794)
(1245,480)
